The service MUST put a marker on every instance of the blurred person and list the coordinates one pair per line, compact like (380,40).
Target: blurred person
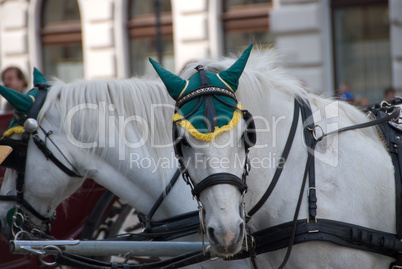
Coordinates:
(389,93)
(345,93)
(12,77)
(362,101)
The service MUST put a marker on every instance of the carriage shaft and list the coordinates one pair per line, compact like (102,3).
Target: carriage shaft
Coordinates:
(104,248)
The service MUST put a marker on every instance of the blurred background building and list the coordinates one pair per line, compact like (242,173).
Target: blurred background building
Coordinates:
(325,43)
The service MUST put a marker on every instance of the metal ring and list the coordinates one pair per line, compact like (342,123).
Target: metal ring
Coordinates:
(15,220)
(17,235)
(207,250)
(315,134)
(41,256)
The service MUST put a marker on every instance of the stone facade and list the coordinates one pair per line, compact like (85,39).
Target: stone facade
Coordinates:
(305,40)
(395,9)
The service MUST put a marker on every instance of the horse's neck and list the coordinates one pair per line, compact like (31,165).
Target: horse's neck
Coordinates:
(138,174)
(340,172)
(142,186)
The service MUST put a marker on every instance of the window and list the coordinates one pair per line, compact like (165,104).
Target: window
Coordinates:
(246,22)
(362,47)
(61,39)
(148,37)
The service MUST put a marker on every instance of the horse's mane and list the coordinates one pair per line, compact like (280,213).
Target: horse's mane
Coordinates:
(264,74)
(122,98)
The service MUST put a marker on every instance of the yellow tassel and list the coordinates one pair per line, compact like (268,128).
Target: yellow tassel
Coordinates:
(14,130)
(218,130)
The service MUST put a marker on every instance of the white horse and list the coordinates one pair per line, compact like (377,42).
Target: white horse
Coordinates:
(354,172)
(117,132)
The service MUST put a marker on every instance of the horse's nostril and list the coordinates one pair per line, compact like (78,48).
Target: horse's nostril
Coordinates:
(211,235)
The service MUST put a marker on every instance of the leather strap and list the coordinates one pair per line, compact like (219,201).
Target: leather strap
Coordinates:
(282,160)
(219,178)
(42,146)
(311,142)
(39,101)
(158,202)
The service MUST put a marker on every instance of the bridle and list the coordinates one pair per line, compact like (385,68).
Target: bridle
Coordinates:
(16,217)
(218,178)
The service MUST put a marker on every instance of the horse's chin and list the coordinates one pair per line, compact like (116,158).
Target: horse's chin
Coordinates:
(226,252)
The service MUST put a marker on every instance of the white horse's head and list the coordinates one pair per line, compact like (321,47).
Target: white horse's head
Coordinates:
(98,129)
(212,135)
(36,184)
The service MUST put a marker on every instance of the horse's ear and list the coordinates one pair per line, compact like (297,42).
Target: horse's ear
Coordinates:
(38,77)
(233,73)
(173,83)
(19,101)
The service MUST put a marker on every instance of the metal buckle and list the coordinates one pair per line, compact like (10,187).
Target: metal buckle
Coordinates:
(315,221)
(314,132)
(384,104)
(311,188)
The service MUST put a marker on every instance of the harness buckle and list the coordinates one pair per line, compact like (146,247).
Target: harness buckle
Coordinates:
(315,221)
(311,188)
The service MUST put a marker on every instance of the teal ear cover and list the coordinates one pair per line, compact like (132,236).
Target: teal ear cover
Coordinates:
(233,73)
(21,102)
(228,79)
(173,83)
(38,77)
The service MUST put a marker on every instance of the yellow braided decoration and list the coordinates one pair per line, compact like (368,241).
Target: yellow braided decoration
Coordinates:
(13,130)
(218,130)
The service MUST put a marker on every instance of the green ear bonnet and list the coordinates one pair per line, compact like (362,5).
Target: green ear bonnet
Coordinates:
(207,116)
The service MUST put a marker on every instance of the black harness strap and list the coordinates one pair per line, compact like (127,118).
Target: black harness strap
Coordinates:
(49,155)
(39,101)
(282,162)
(146,220)
(394,114)
(219,178)
(311,142)
(340,233)
(88,263)
(393,141)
